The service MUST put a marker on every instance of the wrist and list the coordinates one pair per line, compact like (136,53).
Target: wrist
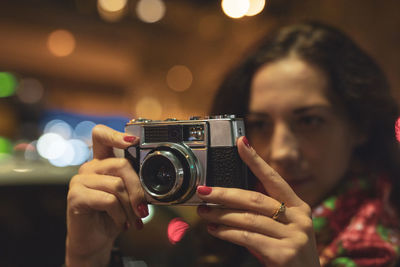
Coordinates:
(98,258)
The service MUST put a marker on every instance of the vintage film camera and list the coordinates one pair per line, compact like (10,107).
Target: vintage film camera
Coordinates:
(175,156)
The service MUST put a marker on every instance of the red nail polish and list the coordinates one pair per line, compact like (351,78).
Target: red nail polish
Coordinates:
(203,209)
(129,138)
(204,190)
(139,224)
(246,142)
(143,210)
(212,226)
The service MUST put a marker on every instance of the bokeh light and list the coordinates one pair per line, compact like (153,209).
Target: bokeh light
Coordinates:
(177,228)
(5,148)
(83,131)
(66,157)
(81,152)
(179,78)
(51,146)
(256,7)
(112,10)
(149,107)
(397,129)
(30,90)
(235,8)
(61,43)
(8,84)
(150,11)
(59,127)
(112,5)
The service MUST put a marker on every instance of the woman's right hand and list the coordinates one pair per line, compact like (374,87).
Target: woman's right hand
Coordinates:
(104,198)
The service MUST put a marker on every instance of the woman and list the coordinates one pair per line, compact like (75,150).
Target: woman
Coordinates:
(319,120)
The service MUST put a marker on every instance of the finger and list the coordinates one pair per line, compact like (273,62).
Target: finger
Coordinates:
(121,167)
(250,221)
(239,199)
(110,184)
(95,200)
(258,243)
(273,183)
(105,139)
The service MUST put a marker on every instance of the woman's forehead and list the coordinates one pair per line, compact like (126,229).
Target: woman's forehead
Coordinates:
(289,81)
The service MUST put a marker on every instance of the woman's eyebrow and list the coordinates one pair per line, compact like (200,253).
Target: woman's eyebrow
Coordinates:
(325,108)
(259,115)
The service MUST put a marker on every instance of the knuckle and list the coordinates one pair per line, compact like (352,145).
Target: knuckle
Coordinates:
(246,236)
(97,130)
(121,163)
(288,255)
(302,240)
(307,224)
(110,200)
(118,185)
(250,218)
(257,198)
(306,209)
(75,180)
(84,167)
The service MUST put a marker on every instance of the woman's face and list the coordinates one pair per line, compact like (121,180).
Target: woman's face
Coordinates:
(296,129)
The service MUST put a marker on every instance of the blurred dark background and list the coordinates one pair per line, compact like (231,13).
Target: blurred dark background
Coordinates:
(68,65)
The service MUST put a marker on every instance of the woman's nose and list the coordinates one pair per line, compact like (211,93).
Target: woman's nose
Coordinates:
(284,146)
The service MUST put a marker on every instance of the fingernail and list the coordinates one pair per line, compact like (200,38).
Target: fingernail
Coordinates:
(204,190)
(203,209)
(139,224)
(129,138)
(246,142)
(127,225)
(143,210)
(212,226)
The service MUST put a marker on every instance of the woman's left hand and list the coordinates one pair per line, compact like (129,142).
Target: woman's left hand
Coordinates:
(245,217)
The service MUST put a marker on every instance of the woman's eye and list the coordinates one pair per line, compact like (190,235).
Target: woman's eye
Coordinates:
(257,125)
(311,121)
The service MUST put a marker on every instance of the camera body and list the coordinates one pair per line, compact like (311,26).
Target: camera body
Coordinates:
(175,156)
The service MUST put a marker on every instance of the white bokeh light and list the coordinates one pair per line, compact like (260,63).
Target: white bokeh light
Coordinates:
(81,152)
(235,8)
(59,127)
(66,158)
(51,146)
(256,7)
(150,11)
(83,131)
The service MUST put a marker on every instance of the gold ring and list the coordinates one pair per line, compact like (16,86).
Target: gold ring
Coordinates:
(278,211)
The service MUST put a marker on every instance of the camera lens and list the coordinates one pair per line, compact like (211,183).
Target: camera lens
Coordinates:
(160,174)
(170,173)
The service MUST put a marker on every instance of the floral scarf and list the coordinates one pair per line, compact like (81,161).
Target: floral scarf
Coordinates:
(356,226)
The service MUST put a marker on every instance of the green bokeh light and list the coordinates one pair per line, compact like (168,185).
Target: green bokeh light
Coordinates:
(8,83)
(5,148)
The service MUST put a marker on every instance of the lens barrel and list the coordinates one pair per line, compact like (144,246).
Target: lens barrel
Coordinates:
(170,173)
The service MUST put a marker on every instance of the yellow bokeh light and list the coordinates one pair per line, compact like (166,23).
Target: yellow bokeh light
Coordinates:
(256,7)
(112,5)
(179,78)
(61,43)
(112,10)
(150,11)
(235,8)
(149,107)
